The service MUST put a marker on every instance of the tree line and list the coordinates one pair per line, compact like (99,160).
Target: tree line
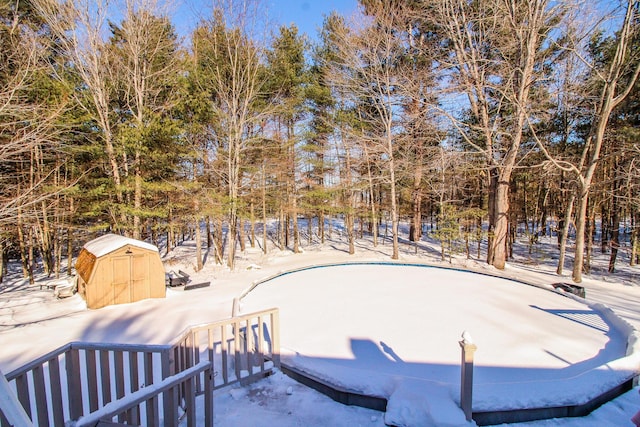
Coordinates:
(482,117)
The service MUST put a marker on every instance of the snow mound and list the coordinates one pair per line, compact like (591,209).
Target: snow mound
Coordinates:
(420,403)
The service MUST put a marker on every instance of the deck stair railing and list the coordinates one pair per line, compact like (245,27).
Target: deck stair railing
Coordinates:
(79,380)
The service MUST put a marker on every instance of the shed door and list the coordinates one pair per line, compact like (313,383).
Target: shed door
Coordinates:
(139,277)
(121,279)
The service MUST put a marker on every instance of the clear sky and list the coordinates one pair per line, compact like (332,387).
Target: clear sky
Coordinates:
(306,14)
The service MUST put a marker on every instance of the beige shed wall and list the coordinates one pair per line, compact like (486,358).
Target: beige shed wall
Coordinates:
(125,275)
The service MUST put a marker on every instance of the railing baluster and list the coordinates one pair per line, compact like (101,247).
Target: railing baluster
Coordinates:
(105,376)
(22,388)
(134,413)
(249,345)
(169,398)
(225,355)
(42,410)
(74,385)
(118,365)
(208,397)
(275,338)
(261,342)
(196,358)
(190,401)
(56,392)
(237,348)
(92,379)
(151,404)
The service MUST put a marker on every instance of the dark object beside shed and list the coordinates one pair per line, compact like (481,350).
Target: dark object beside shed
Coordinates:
(571,288)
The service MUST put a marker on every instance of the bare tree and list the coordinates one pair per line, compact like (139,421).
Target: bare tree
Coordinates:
(31,133)
(614,80)
(230,69)
(494,56)
(80,27)
(369,71)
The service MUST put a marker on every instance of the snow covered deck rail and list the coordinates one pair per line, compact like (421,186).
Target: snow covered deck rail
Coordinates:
(80,379)
(242,348)
(184,380)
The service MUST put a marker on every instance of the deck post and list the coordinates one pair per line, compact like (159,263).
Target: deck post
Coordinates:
(466,382)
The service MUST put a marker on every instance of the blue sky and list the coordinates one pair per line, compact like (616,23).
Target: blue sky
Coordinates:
(306,14)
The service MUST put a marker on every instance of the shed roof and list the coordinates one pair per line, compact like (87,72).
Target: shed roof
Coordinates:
(112,242)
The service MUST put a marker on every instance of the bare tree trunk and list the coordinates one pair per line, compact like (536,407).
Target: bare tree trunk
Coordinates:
(635,241)
(349,223)
(395,254)
(22,245)
(614,91)
(615,228)
(69,251)
(231,238)
(501,221)
(564,234)
(415,230)
(253,224)
(218,240)
(198,236)
(264,211)
(2,249)
(589,238)
(242,237)
(137,197)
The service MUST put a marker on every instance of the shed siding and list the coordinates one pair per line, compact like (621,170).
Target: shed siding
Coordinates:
(128,274)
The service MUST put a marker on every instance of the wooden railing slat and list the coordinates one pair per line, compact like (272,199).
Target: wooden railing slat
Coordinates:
(225,354)
(118,367)
(105,373)
(169,397)
(22,389)
(134,382)
(74,386)
(152,403)
(92,379)
(40,391)
(260,343)
(56,392)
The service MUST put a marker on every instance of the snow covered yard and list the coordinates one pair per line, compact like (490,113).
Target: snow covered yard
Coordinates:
(33,323)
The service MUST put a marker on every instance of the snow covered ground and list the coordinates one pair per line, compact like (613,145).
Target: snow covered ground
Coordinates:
(32,323)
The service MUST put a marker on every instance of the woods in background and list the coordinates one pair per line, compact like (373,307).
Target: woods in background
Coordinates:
(481,119)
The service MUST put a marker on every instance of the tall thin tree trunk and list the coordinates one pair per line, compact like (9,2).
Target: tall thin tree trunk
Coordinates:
(615,221)
(589,238)
(563,234)
(1,260)
(264,211)
(198,236)
(635,241)
(242,237)
(69,250)
(252,226)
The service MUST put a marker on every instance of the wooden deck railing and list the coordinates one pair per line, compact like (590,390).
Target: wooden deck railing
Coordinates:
(80,378)
(241,349)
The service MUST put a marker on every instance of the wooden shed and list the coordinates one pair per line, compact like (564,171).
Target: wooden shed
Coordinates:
(114,269)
